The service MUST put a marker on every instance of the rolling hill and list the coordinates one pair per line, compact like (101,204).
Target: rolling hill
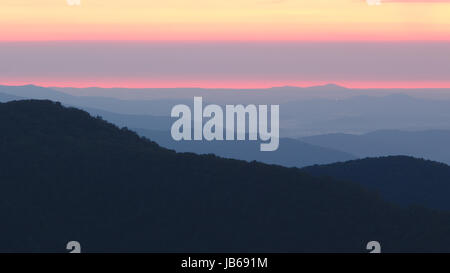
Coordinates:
(403,180)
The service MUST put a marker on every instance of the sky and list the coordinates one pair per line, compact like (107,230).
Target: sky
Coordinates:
(225,43)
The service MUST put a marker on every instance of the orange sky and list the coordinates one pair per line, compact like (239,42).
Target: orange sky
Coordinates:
(317,20)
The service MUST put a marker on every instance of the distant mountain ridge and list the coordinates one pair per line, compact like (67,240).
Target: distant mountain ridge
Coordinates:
(303,111)
(131,107)
(291,152)
(309,117)
(429,144)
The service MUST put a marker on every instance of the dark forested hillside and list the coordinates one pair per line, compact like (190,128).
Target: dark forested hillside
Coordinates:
(400,179)
(67,176)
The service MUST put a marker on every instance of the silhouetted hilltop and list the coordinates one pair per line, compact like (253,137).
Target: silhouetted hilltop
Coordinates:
(429,144)
(67,176)
(400,179)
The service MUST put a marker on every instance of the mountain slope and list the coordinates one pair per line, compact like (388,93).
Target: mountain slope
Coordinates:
(400,179)
(67,176)
(291,152)
(430,144)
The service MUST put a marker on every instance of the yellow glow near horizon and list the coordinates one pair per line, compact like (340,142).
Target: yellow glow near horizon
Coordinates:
(222,20)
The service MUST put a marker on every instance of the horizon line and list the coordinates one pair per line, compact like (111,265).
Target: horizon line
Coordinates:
(330,84)
(232,40)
